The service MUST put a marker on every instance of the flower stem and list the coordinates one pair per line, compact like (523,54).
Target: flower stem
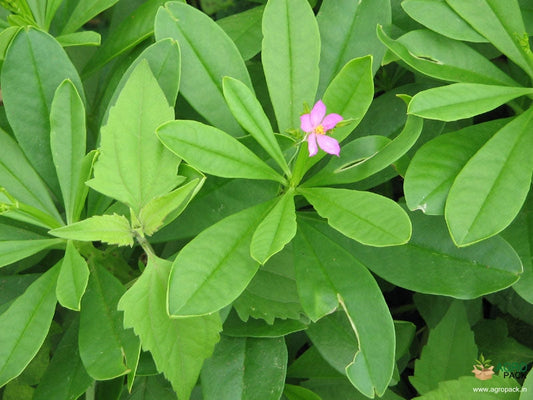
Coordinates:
(144,243)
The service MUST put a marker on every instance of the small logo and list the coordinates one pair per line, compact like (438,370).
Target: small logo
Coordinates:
(516,370)
(482,369)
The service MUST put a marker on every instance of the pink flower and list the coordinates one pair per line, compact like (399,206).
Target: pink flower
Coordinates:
(316,124)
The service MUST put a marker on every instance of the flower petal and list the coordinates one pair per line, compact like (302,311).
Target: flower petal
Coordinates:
(330,121)
(317,113)
(328,144)
(305,123)
(311,144)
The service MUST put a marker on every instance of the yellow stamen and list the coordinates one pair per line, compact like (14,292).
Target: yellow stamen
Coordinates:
(319,130)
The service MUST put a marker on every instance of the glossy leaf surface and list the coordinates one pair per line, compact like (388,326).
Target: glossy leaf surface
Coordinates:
(369,218)
(208,56)
(291,52)
(202,286)
(491,188)
(328,275)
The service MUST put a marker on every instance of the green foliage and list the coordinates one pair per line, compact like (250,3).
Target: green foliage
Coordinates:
(72,279)
(107,349)
(207,56)
(133,166)
(200,286)
(245,368)
(34,66)
(290,55)
(29,318)
(213,151)
(377,221)
(113,229)
(178,346)
(453,334)
(67,141)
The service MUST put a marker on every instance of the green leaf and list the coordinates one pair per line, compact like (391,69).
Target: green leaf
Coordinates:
(431,263)
(73,278)
(15,250)
(112,229)
(199,286)
(462,100)
(134,166)
(208,56)
(335,340)
(311,364)
(10,207)
(500,21)
(438,162)
(443,58)
(28,318)
(38,9)
(492,337)
(83,12)
(349,94)
(164,59)
(213,151)
(65,378)
(441,18)
(491,188)
(245,30)
(87,166)
(340,388)
(178,346)
(11,230)
(248,111)
(6,36)
(497,387)
(34,67)
(367,217)
(106,348)
(356,151)
(293,392)
(236,327)
(135,28)
(156,213)
(326,274)
(67,140)
(246,369)
(432,308)
(214,202)
(436,364)
(276,230)
(50,11)
(291,52)
(20,179)
(351,35)
(85,38)
(14,286)
(346,169)
(519,235)
(528,385)
(152,387)
(405,332)
(272,293)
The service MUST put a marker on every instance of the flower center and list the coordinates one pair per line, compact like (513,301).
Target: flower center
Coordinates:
(319,130)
